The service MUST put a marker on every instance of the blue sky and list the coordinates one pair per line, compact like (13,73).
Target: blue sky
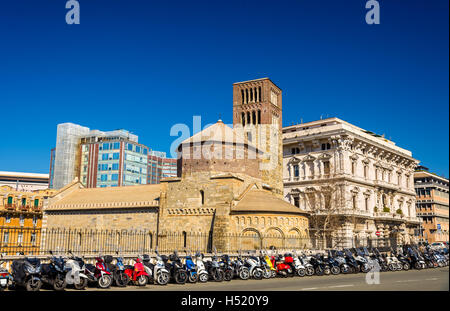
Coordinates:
(147,65)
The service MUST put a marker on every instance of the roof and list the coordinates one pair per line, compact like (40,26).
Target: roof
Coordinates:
(219,132)
(258,200)
(22,175)
(110,197)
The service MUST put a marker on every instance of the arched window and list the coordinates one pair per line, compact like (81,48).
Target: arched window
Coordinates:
(259,116)
(243,118)
(248,118)
(254,117)
(202,196)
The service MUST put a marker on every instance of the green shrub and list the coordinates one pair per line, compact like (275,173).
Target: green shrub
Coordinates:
(386,209)
(399,211)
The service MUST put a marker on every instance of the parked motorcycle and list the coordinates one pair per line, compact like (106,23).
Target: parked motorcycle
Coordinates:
(99,273)
(121,279)
(240,269)
(4,276)
(214,270)
(136,273)
(26,273)
(191,269)
(76,275)
(225,265)
(203,275)
(54,273)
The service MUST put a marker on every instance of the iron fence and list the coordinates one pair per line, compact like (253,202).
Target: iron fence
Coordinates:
(35,241)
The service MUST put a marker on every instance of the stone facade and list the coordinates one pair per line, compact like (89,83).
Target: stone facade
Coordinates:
(362,179)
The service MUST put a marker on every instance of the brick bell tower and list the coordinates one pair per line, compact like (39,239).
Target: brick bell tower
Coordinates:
(257,112)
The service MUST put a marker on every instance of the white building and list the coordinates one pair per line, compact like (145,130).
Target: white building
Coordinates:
(24,181)
(363,180)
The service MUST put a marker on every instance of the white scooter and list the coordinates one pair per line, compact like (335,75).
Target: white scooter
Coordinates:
(203,275)
(300,269)
(76,275)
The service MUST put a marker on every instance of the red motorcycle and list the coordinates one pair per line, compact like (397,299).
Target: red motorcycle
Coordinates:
(289,261)
(282,267)
(99,274)
(137,273)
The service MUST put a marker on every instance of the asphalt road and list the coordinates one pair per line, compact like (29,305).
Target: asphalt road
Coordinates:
(413,280)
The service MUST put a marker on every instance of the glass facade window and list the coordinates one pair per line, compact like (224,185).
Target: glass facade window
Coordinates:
(36,202)
(104,177)
(130,147)
(115,177)
(105,146)
(116,145)
(116,156)
(138,149)
(115,166)
(104,156)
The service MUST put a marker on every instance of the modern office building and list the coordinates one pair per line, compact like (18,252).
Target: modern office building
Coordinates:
(159,166)
(24,181)
(432,204)
(363,181)
(104,159)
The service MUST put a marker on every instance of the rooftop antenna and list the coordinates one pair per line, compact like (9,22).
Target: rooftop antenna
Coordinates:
(301,120)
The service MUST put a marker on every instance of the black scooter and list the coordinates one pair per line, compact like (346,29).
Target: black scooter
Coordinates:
(26,273)
(54,273)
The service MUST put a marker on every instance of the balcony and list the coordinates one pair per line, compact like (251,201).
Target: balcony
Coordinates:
(390,216)
(24,207)
(37,208)
(345,212)
(10,206)
(386,185)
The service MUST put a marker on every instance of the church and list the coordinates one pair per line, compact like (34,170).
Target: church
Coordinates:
(230,181)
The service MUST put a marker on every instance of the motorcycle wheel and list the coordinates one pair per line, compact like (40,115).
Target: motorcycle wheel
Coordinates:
(335,270)
(365,268)
(418,266)
(203,278)
(406,266)
(257,274)
(228,275)
(122,280)
(244,274)
(181,277)
(162,278)
(290,272)
(81,285)
(273,273)
(345,269)
(309,271)
(301,272)
(319,271)
(141,280)
(218,275)
(392,267)
(59,283)
(193,277)
(33,285)
(327,271)
(104,281)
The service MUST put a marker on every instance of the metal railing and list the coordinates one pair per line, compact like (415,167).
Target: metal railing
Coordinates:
(34,241)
